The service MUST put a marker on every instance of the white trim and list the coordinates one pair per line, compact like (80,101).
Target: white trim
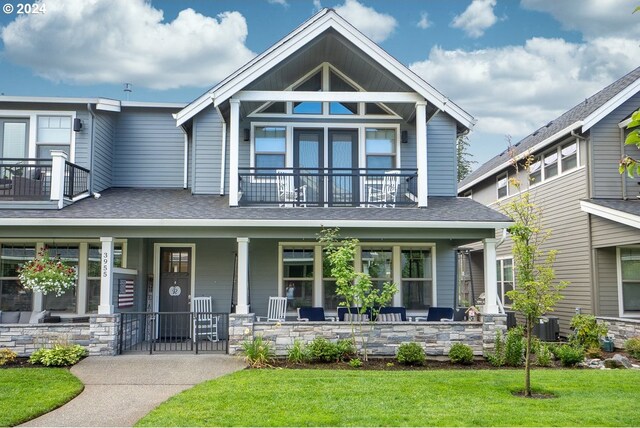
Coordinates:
(371,224)
(156,270)
(152,104)
(624,123)
(521,156)
(223,155)
(621,311)
(302,96)
(105,104)
(611,214)
(234,149)
(615,102)
(322,21)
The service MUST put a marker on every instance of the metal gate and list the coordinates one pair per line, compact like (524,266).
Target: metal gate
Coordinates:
(155,332)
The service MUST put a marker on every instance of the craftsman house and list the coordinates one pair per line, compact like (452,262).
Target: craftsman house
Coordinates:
(592,210)
(224,197)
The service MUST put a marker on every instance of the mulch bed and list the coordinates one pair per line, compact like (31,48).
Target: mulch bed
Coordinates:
(20,362)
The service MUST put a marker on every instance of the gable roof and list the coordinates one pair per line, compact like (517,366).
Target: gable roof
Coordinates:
(316,25)
(581,117)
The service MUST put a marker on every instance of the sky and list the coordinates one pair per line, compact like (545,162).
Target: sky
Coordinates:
(512,64)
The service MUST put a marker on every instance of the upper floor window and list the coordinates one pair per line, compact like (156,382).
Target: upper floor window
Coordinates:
(380,148)
(313,84)
(503,185)
(270,147)
(54,133)
(554,162)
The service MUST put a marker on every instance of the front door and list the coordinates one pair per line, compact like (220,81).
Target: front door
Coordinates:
(343,188)
(175,290)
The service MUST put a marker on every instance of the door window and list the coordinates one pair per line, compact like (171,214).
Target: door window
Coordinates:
(14,139)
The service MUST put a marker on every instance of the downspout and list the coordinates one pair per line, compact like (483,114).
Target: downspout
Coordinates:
(502,239)
(185,180)
(91,142)
(224,152)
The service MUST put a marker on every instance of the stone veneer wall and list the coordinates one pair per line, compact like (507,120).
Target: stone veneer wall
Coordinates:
(621,329)
(383,338)
(99,336)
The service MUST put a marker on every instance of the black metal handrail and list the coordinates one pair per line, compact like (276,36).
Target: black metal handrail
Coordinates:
(76,180)
(25,178)
(314,187)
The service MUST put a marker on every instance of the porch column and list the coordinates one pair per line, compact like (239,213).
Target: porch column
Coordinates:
(490,277)
(421,152)
(58,159)
(234,142)
(242,307)
(106,277)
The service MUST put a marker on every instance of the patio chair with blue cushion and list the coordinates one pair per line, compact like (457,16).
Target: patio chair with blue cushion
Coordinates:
(392,313)
(308,313)
(353,314)
(437,314)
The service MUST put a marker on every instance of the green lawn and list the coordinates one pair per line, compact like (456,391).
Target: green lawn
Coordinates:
(404,398)
(26,393)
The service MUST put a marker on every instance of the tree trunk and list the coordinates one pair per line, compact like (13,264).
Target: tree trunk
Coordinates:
(527,360)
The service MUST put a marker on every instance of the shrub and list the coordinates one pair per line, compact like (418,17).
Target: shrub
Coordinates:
(544,356)
(297,353)
(632,346)
(594,352)
(257,352)
(461,354)
(321,350)
(58,356)
(410,354)
(496,358)
(355,363)
(7,356)
(346,349)
(569,355)
(514,347)
(587,331)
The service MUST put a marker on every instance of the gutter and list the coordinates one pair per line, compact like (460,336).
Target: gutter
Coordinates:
(91,143)
(224,152)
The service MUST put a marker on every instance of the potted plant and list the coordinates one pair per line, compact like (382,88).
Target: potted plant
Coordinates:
(46,274)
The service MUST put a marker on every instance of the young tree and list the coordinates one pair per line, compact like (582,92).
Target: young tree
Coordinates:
(465,163)
(355,288)
(535,293)
(630,164)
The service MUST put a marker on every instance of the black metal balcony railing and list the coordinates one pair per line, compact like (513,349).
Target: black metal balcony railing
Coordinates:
(25,179)
(76,180)
(334,187)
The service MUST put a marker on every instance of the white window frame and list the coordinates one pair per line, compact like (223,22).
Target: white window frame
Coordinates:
(32,117)
(501,293)
(561,171)
(499,177)
(396,264)
(621,311)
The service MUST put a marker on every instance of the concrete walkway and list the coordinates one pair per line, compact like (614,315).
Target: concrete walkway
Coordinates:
(120,390)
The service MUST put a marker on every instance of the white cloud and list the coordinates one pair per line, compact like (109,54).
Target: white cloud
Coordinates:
(476,18)
(516,89)
(424,22)
(375,25)
(317,5)
(593,18)
(107,41)
(282,3)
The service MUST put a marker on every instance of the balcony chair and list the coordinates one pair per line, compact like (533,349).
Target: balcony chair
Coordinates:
(385,190)
(354,314)
(437,314)
(307,313)
(205,324)
(288,194)
(277,309)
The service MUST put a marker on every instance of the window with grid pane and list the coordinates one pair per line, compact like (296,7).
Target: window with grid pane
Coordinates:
(377,263)
(297,275)
(13,296)
(569,156)
(270,148)
(417,278)
(505,279)
(630,276)
(503,185)
(380,148)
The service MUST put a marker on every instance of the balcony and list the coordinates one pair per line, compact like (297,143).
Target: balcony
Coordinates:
(328,187)
(47,181)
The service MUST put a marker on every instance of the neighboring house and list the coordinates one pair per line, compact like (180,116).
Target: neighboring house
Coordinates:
(592,210)
(225,196)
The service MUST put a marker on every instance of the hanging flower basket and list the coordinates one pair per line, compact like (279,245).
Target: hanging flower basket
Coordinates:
(47,274)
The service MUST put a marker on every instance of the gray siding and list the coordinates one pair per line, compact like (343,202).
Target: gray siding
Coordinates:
(441,156)
(445,273)
(104,126)
(207,147)
(607,233)
(82,154)
(149,150)
(606,153)
(607,276)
